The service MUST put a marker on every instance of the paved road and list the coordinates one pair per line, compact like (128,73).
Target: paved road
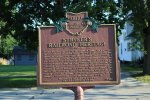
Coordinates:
(129,89)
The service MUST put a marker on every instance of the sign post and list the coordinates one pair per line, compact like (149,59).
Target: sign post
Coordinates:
(78,52)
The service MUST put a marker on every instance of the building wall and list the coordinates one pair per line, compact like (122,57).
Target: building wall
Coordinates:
(25,59)
(128,28)
(125,52)
(137,55)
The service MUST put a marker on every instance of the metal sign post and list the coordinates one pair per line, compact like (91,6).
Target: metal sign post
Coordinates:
(79,91)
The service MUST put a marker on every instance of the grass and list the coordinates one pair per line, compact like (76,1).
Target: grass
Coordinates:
(25,76)
(15,82)
(130,69)
(142,78)
(17,70)
(17,76)
(136,72)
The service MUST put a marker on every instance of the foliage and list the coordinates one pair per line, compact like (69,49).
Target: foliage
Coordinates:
(138,12)
(6,46)
(24,16)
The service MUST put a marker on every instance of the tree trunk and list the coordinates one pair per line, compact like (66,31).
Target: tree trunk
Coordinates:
(146,67)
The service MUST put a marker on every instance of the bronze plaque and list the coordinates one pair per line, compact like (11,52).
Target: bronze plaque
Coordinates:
(78,56)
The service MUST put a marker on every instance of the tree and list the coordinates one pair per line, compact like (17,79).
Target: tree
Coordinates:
(24,16)
(6,40)
(20,19)
(138,12)
(6,46)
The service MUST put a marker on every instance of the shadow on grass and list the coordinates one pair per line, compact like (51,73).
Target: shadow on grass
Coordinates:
(129,68)
(142,77)
(137,74)
(18,82)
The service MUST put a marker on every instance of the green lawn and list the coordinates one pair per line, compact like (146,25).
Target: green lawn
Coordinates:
(141,77)
(17,70)
(25,76)
(17,76)
(136,72)
(129,68)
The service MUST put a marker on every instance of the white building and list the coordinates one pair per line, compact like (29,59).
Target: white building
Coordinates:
(126,53)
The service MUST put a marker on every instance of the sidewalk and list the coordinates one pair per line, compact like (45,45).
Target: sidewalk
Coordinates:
(129,89)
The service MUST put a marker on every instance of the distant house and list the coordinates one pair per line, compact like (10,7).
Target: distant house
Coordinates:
(126,52)
(24,57)
(3,61)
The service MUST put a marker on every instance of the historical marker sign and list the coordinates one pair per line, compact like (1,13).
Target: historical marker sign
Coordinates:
(78,55)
